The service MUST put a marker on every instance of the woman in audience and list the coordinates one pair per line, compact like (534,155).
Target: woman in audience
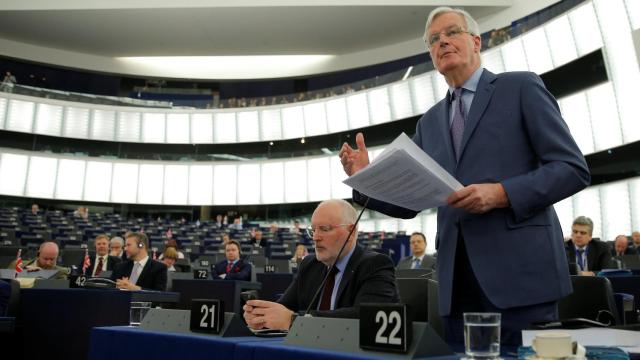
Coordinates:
(169,258)
(300,253)
(172,243)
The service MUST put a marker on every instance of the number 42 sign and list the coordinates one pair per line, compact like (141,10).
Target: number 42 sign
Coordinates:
(385,327)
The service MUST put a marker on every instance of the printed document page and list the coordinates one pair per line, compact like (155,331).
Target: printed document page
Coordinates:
(406,176)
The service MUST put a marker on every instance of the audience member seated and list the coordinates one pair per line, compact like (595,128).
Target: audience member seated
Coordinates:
(257,239)
(621,247)
(237,224)
(635,237)
(225,239)
(219,222)
(169,258)
(361,276)
(81,212)
(35,209)
(139,271)
(116,246)
(300,253)
(590,255)
(172,243)
(419,258)
(46,259)
(233,268)
(102,261)
(299,232)
(274,234)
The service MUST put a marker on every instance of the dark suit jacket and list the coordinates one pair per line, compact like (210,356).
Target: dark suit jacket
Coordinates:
(428,262)
(627,251)
(368,277)
(514,135)
(111,262)
(153,276)
(241,270)
(598,255)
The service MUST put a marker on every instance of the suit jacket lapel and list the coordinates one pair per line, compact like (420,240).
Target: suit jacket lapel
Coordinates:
(349,271)
(484,91)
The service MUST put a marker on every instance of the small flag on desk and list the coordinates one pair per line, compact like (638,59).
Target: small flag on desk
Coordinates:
(19,262)
(87,261)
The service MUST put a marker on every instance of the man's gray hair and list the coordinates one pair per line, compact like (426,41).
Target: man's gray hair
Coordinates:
(349,214)
(584,221)
(117,239)
(471,23)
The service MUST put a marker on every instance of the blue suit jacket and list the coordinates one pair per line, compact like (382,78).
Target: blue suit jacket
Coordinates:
(241,270)
(515,135)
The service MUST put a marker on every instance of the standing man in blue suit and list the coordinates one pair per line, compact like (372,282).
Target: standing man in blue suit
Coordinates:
(499,241)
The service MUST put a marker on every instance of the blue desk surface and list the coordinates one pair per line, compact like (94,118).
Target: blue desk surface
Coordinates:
(124,342)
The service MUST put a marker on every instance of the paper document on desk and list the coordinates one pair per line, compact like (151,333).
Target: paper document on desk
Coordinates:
(593,337)
(406,176)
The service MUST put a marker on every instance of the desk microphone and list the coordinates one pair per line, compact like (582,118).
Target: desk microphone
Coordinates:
(315,296)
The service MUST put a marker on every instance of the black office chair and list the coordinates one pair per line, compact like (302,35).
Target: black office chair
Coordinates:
(592,299)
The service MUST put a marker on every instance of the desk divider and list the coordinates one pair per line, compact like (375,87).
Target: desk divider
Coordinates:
(172,320)
(343,335)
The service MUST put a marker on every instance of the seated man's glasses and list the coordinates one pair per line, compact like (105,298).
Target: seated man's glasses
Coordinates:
(321,229)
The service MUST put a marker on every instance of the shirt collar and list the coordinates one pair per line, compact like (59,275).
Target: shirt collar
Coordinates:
(342,263)
(471,84)
(143,262)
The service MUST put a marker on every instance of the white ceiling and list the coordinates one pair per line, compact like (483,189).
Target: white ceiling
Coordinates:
(214,28)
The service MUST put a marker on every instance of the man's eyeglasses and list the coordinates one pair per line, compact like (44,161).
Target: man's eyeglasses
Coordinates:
(321,229)
(450,33)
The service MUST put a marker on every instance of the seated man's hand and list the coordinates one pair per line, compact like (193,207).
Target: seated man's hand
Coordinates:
(125,284)
(31,268)
(266,314)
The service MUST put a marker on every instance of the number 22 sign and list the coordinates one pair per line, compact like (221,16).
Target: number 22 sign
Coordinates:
(385,327)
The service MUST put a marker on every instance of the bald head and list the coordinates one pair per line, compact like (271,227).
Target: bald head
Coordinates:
(48,255)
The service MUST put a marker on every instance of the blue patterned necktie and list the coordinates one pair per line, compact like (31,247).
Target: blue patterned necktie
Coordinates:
(416,263)
(457,125)
(579,259)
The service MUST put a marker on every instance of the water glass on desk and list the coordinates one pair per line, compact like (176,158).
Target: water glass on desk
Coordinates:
(138,311)
(482,335)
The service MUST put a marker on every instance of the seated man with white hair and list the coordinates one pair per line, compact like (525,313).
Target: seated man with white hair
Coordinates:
(46,259)
(116,247)
(360,275)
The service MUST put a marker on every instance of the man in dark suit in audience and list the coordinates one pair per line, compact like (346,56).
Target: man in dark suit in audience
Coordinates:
(139,271)
(102,261)
(233,268)
(590,255)
(419,258)
(621,247)
(635,237)
(360,275)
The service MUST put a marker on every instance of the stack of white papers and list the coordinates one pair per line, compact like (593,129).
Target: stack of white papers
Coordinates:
(406,176)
